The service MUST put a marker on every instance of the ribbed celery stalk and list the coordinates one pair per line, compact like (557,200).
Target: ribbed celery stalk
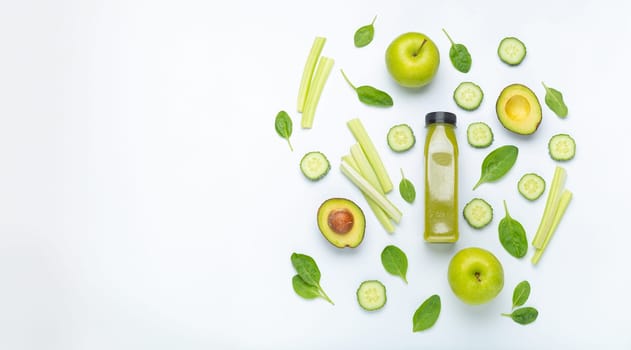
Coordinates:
(323,70)
(564,201)
(307,73)
(358,130)
(552,204)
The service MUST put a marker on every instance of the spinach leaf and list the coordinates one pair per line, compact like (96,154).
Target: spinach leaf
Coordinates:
(306,268)
(304,289)
(283,126)
(427,314)
(406,189)
(459,55)
(521,293)
(524,315)
(497,163)
(395,261)
(554,100)
(513,236)
(364,35)
(307,281)
(370,95)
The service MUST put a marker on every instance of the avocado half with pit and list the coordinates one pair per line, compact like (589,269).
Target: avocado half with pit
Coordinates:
(341,222)
(518,109)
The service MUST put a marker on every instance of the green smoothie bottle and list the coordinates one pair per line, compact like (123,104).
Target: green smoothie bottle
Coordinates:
(441,178)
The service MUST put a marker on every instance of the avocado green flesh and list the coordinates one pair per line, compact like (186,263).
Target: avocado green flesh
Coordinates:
(341,222)
(518,109)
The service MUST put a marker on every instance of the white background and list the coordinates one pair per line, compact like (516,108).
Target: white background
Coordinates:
(146,201)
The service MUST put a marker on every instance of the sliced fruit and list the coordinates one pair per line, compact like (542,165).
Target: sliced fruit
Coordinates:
(479,135)
(511,51)
(341,222)
(468,96)
(371,295)
(531,186)
(314,165)
(401,138)
(518,109)
(478,213)
(562,147)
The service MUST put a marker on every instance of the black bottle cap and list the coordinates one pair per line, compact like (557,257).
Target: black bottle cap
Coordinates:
(440,117)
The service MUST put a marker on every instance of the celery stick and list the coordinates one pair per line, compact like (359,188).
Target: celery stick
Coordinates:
(552,203)
(307,73)
(381,215)
(371,192)
(325,64)
(364,167)
(564,201)
(358,130)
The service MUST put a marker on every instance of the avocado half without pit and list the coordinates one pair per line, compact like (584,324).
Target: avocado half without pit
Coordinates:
(341,222)
(518,109)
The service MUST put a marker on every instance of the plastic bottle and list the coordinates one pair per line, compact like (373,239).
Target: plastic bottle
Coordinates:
(441,178)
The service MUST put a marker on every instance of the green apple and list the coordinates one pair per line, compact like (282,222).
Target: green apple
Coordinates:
(412,59)
(475,275)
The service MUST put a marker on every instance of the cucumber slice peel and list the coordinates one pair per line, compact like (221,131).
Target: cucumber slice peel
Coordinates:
(401,138)
(479,135)
(468,96)
(314,165)
(531,186)
(562,147)
(478,213)
(511,51)
(371,295)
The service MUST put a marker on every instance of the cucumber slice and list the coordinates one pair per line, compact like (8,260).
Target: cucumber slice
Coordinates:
(371,295)
(314,165)
(479,135)
(468,96)
(401,138)
(531,186)
(511,51)
(562,147)
(478,213)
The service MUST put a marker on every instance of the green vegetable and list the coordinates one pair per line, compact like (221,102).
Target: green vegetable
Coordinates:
(531,186)
(497,163)
(406,189)
(401,138)
(478,213)
(303,289)
(554,100)
(511,51)
(321,75)
(309,273)
(427,314)
(521,293)
(283,126)
(395,261)
(479,135)
(367,173)
(370,95)
(562,147)
(307,73)
(314,165)
(524,315)
(369,190)
(359,132)
(371,295)
(564,201)
(513,236)
(468,96)
(364,35)
(459,55)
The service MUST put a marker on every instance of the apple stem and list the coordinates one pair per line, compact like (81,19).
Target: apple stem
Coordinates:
(420,47)
(477,276)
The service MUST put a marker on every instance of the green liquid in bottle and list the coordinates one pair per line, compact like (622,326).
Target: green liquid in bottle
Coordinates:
(441,179)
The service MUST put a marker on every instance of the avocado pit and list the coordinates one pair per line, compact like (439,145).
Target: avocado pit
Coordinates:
(341,220)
